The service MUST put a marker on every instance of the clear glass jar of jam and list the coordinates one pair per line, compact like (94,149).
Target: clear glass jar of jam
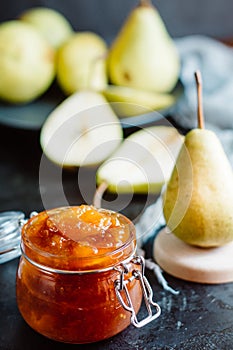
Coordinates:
(78,279)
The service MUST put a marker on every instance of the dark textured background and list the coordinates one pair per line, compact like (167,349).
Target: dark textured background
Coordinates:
(200,317)
(210,17)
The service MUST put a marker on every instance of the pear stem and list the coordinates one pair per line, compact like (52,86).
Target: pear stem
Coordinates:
(200,115)
(145,3)
(99,194)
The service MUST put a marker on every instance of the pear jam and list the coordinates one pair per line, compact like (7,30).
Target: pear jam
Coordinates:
(67,273)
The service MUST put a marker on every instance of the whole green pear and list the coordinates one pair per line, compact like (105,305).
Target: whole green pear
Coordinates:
(198,201)
(27,62)
(81,63)
(50,23)
(143,54)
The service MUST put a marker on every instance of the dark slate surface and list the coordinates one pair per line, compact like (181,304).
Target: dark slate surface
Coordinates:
(200,317)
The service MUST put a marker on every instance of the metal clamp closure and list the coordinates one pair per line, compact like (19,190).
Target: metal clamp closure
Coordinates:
(121,289)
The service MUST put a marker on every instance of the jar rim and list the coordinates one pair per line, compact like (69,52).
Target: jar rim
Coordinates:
(89,260)
(78,272)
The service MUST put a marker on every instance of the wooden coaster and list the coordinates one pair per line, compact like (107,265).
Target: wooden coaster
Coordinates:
(202,265)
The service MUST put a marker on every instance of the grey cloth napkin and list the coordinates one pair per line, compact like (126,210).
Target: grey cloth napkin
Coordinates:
(215,61)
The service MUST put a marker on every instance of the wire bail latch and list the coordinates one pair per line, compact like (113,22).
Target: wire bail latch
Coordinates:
(121,289)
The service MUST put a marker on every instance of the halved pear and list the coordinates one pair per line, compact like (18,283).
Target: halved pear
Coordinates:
(136,101)
(82,131)
(143,162)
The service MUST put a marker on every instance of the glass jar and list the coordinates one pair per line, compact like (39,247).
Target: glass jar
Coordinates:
(10,235)
(78,279)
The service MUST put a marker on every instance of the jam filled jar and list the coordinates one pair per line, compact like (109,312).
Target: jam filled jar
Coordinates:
(78,279)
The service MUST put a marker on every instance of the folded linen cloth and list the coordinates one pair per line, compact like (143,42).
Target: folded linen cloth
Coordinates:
(215,62)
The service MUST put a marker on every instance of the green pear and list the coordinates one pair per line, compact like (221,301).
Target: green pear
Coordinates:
(50,23)
(143,54)
(129,101)
(198,201)
(81,63)
(27,62)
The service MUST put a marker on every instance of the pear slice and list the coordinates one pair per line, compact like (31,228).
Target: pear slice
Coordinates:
(82,131)
(136,101)
(143,162)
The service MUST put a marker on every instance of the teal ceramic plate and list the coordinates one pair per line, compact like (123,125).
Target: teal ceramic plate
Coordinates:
(31,116)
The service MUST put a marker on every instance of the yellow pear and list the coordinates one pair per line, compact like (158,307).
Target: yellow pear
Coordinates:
(143,54)
(50,23)
(27,62)
(198,201)
(81,63)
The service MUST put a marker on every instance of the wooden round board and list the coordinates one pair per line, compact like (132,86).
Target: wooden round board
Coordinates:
(202,265)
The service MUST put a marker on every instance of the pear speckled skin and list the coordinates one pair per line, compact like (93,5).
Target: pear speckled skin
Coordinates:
(143,54)
(198,201)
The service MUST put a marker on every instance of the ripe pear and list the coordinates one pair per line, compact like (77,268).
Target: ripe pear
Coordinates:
(198,201)
(27,62)
(81,63)
(50,23)
(143,54)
